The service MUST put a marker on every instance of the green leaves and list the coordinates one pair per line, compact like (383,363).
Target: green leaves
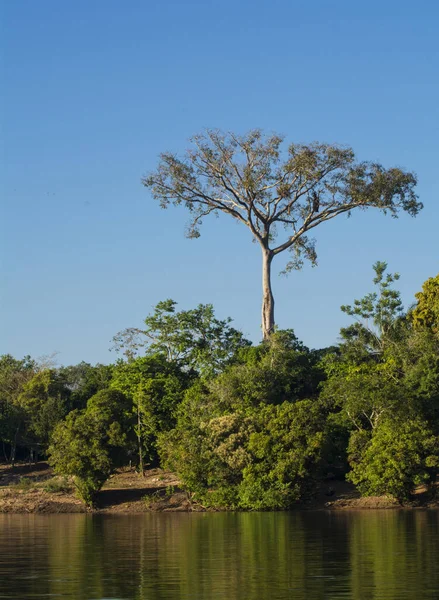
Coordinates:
(155,388)
(256,180)
(44,400)
(426,312)
(258,459)
(384,380)
(91,443)
(78,449)
(193,339)
(269,188)
(248,439)
(399,456)
(14,375)
(379,310)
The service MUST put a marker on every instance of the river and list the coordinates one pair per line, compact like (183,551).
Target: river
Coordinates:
(368,555)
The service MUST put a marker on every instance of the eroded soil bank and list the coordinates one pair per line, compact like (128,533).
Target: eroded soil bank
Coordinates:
(34,489)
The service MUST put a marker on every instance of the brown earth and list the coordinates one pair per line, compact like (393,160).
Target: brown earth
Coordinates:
(22,491)
(342,495)
(28,488)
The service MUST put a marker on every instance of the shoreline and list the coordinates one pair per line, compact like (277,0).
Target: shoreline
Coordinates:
(33,489)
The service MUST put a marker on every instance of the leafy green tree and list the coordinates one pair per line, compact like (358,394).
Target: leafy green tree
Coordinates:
(364,380)
(415,358)
(378,315)
(14,374)
(194,338)
(366,393)
(84,381)
(417,355)
(279,369)
(259,459)
(253,180)
(384,380)
(44,400)
(285,455)
(249,438)
(426,312)
(398,456)
(33,399)
(88,445)
(386,363)
(78,449)
(155,387)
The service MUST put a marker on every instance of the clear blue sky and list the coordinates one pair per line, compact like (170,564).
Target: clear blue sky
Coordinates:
(93,90)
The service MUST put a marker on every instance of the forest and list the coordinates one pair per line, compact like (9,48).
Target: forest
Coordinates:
(244,426)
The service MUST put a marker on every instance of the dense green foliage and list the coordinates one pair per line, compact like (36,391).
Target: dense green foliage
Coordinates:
(426,312)
(193,339)
(397,457)
(249,437)
(91,443)
(259,458)
(382,384)
(244,427)
(155,388)
(14,375)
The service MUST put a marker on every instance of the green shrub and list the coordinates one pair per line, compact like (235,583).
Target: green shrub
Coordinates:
(258,459)
(24,483)
(398,457)
(57,485)
(90,444)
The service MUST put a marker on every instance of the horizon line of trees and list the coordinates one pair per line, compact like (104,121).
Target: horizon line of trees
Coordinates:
(244,426)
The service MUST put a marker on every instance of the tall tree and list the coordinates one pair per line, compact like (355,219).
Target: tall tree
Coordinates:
(255,181)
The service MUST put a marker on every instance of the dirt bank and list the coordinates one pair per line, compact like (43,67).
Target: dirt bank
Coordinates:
(34,489)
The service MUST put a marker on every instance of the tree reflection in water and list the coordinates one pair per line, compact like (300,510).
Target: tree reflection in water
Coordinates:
(374,555)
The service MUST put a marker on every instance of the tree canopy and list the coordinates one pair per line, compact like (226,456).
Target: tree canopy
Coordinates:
(192,338)
(426,312)
(255,427)
(280,194)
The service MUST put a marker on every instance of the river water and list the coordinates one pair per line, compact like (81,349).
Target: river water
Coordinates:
(221,556)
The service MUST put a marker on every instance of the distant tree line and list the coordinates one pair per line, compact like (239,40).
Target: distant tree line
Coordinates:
(244,426)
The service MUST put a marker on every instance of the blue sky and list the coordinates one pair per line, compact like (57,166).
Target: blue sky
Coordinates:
(94,91)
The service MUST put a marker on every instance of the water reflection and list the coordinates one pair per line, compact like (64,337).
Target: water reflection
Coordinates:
(254,556)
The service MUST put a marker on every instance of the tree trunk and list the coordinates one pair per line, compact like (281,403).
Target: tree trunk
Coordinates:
(139,440)
(13,449)
(14,446)
(267,295)
(4,453)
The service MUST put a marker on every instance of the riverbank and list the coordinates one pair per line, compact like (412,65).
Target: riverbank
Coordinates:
(34,489)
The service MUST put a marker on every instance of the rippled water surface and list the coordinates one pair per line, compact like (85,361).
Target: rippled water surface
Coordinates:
(257,556)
